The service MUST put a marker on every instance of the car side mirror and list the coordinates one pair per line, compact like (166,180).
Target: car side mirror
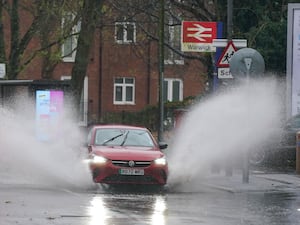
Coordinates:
(163,145)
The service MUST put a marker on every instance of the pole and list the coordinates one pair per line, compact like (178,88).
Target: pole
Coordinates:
(229,20)
(228,168)
(246,151)
(161,70)
(298,153)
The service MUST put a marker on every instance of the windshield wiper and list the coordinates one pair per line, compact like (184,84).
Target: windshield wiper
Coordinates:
(111,139)
(125,138)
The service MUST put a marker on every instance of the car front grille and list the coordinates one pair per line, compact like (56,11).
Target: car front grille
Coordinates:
(125,163)
(129,179)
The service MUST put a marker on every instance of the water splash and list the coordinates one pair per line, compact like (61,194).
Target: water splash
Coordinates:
(219,129)
(24,159)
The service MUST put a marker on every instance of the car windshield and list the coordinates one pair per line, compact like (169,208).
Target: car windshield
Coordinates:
(123,137)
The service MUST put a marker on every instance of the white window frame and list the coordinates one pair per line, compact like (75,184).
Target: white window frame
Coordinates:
(171,41)
(125,33)
(170,88)
(65,77)
(66,57)
(124,85)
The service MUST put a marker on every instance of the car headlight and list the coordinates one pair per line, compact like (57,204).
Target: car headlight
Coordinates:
(160,161)
(98,159)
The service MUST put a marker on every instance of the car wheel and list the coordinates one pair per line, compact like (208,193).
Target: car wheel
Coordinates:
(105,187)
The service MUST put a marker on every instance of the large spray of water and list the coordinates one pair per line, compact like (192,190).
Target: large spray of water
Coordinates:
(214,131)
(219,129)
(26,159)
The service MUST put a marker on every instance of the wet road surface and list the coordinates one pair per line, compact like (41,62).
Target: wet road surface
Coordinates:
(29,204)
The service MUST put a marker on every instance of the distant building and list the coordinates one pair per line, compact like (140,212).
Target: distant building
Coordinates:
(123,66)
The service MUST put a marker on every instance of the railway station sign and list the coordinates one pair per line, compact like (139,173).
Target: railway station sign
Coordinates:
(198,36)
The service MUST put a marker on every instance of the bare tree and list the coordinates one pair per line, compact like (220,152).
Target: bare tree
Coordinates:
(45,25)
(90,15)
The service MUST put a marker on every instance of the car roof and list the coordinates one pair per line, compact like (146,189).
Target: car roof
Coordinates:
(118,126)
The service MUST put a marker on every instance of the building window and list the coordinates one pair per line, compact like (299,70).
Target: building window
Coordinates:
(173,38)
(173,90)
(70,43)
(124,90)
(125,32)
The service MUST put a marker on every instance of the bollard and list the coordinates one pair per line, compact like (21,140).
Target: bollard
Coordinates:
(298,153)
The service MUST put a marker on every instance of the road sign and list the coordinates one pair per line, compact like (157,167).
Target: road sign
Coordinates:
(246,63)
(222,43)
(226,55)
(224,72)
(198,36)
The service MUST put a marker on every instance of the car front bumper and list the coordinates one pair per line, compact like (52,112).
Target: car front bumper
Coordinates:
(111,174)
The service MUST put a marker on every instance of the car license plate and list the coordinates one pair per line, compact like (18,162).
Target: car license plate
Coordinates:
(131,172)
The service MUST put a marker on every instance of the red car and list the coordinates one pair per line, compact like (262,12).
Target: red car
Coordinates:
(120,154)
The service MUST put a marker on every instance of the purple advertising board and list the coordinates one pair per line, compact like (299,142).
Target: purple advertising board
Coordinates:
(49,112)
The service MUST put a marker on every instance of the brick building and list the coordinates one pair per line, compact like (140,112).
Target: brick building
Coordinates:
(123,70)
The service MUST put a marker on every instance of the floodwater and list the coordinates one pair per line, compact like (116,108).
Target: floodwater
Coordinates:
(35,205)
(200,208)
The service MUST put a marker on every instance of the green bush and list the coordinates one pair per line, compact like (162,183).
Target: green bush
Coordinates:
(149,116)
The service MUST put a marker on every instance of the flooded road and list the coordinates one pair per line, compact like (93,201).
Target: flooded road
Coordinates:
(27,204)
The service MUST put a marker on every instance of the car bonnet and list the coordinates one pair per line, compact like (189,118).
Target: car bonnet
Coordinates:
(127,153)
